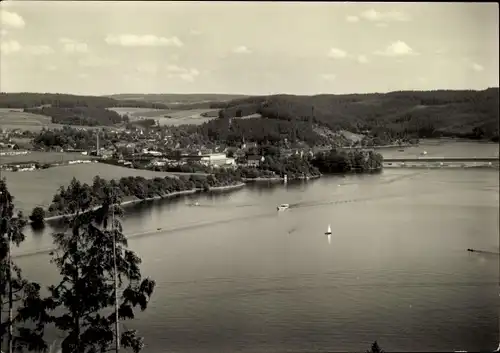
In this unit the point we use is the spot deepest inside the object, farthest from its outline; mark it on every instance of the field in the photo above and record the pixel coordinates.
(177, 98)
(37, 188)
(11, 119)
(192, 117)
(251, 116)
(44, 157)
(132, 112)
(17, 119)
(177, 117)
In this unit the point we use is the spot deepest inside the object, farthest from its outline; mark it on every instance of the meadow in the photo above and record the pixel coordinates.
(251, 116)
(37, 188)
(44, 157)
(175, 117)
(11, 119)
(184, 117)
(134, 112)
(17, 119)
(177, 98)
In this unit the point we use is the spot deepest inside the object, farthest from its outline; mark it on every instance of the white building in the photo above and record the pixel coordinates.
(217, 159)
(158, 163)
(153, 153)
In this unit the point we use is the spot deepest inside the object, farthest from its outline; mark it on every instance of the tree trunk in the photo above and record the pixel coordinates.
(115, 270)
(9, 257)
(1, 308)
(115, 273)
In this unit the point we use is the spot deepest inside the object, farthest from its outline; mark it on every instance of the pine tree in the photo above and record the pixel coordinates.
(375, 348)
(85, 257)
(21, 297)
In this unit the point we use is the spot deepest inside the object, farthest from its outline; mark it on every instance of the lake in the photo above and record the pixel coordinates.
(235, 275)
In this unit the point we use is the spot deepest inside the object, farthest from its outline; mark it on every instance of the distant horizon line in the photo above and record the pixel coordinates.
(248, 94)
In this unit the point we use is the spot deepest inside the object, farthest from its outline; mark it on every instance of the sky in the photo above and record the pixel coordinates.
(113, 47)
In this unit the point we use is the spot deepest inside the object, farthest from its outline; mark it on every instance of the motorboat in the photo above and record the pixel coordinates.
(283, 206)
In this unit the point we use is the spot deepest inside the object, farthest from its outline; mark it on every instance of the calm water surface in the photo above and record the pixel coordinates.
(234, 275)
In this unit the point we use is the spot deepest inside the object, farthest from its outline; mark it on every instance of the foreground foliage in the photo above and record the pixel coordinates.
(18, 296)
(85, 259)
(375, 348)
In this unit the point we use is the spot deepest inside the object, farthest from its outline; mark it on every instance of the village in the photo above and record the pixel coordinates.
(137, 148)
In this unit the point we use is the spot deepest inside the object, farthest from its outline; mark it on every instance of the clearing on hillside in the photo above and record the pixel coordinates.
(251, 116)
(188, 117)
(12, 119)
(17, 119)
(177, 98)
(131, 111)
(169, 116)
(44, 157)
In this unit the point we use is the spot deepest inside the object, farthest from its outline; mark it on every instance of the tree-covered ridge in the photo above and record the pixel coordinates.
(179, 101)
(34, 100)
(234, 131)
(155, 101)
(69, 137)
(86, 116)
(358, 161)
(137, 187)
(71, 109)
(470, 114)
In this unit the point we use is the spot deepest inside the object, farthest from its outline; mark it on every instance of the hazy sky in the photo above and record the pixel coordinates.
(246, 47)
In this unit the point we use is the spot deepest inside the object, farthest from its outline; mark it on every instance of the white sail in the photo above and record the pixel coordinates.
(329, 230)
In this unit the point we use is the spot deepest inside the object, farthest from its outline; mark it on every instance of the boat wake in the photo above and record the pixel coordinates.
(156, 231)
(484, 252)
(338, 202)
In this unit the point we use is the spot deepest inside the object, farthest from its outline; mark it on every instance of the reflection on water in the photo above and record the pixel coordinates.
(235, 275)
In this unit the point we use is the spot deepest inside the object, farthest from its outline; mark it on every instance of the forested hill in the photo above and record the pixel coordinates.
(174, 98)
(60, 102)
(93, 110)
(34, 100)
(469, 114)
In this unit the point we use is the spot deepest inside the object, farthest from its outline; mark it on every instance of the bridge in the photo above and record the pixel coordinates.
(441, 162)
(441, 159)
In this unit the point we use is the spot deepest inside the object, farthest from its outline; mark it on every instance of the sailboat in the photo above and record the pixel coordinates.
(329, 230)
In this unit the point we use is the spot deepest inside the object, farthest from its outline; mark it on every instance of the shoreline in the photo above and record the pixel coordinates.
(165, 196)
(223, 188)
(279, 179)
